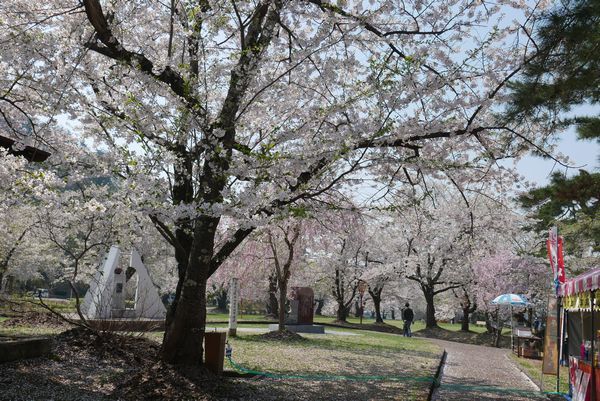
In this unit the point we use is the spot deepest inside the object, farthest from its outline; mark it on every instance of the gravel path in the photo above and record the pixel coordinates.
(469, 367)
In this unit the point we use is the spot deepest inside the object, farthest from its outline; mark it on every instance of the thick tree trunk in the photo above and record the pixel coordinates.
(498, 336)
(464, 325)
(319, 307)
(377, 305)
(282, 300)
(221, 299)
(376, 297)
(378, 316)
(182, 343)
(273, 302)
(357, 308)
(342, 312)
(184, 332)
(430, 320)
(488, 323)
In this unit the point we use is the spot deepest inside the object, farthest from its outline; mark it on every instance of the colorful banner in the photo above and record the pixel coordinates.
(550, 362)
(561, 261)
(554, 244)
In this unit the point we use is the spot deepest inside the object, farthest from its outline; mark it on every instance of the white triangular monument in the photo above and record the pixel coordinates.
(105, 298)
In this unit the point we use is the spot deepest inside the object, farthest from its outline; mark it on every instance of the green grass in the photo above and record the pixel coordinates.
(533, 369)
(420, 325)
(417, 326)
(3, 319)
(251, 350)
(223, 317)
(210, 325)
(410, 361)
(28, 331)
(29, 303)
(367, 353)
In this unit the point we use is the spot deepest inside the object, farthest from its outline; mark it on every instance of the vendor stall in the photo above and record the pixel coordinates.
(580, 335)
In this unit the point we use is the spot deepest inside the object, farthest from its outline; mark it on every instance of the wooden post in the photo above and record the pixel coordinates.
(214, 344)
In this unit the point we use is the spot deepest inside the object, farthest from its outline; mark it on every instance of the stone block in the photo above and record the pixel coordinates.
(15, 349)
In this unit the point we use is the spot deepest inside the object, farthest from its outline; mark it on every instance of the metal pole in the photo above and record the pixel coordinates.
(592, 342)
(512, 330)
(558, 339)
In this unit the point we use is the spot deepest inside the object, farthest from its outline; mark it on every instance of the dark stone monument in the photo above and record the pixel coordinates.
(305, 300)
(300, 316)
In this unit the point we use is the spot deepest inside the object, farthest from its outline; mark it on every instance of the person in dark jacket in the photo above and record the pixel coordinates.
(408, 316)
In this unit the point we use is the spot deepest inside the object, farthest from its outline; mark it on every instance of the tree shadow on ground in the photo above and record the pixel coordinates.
(18, 385)
(297, 390)
(335, 344)
(465, 337)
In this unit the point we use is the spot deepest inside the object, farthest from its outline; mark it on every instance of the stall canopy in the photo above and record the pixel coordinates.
(576, 293)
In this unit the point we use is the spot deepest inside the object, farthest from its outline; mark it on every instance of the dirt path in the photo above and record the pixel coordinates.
(474, 372)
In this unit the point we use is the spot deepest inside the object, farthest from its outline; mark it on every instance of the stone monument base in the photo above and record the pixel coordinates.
(300, 328)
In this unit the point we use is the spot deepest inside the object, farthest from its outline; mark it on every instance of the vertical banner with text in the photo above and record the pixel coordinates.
(554, 244)
(550, 363)
(233, 306)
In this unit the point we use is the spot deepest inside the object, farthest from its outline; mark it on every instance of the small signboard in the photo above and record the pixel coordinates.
(362, 287)
(550, 363)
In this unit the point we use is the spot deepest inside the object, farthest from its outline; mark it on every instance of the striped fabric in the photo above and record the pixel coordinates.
(585, 282)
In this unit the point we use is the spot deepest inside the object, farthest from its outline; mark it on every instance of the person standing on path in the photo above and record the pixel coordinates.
(408, 316)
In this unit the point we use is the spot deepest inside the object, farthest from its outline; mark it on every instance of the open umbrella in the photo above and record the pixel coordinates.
(510, 300)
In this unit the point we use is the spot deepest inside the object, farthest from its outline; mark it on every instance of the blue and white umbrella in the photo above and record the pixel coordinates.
(510, 299)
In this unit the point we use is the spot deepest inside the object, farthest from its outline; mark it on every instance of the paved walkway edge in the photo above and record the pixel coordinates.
(437, 378)
(530, 379)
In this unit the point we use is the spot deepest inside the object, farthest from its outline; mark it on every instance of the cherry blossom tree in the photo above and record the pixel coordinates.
(337, 251)
(222, 115)
(15, 226)
(381, 259)
(283, 243)
(433, 254)
(506, 272)
(444, 230)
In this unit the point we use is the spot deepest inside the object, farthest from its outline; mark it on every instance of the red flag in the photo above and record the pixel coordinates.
(561, 262)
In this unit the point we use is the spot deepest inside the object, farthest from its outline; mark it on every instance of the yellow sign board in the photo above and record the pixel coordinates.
(550, 363)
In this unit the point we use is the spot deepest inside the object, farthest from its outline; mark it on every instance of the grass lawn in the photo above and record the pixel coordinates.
(533, 369)
(364, 354)
(224, 317)
(407, 363)
(311, 354)
(420, 325)
(29, 331)
(18, 304)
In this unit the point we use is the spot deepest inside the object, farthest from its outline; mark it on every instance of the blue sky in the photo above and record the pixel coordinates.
(583, 154)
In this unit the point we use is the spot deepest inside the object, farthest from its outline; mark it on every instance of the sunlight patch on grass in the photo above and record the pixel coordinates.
(533, 369)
